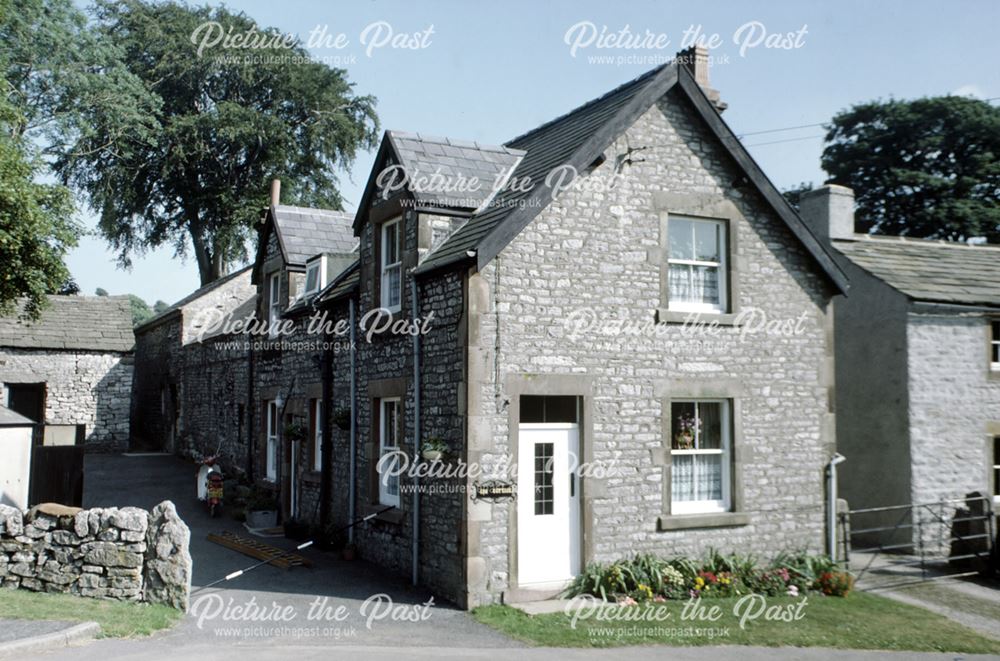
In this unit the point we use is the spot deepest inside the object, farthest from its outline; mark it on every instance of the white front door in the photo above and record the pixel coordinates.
(548, 504)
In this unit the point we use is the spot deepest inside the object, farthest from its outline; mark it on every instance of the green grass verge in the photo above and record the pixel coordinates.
(118, 619)
(859, 621)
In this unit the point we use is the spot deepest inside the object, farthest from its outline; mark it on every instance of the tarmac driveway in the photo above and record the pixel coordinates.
(270, 606)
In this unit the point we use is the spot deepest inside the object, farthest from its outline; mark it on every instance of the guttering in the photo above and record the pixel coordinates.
(353, 453)
(415, 308)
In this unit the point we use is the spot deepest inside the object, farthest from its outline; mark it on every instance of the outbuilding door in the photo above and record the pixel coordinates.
(548, 504)
(28, 399)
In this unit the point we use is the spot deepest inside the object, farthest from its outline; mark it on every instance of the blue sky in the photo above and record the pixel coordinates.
(490, 71)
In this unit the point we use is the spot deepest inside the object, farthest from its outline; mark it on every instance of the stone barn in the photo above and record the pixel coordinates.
(72, 366)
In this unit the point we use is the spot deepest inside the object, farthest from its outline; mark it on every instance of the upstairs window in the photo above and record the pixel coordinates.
(696, 265)
(996, 470)
(995, 345)
(315, 276)
(274, 303)
(392, 265)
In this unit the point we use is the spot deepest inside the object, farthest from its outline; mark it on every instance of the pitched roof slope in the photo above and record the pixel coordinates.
(577, 139)
(193, 296)
(933, 271)
(305, 232)
(422, 156)
(550, 145)
(81, 323)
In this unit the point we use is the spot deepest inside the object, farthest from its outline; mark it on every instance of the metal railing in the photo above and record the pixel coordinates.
(957, 532)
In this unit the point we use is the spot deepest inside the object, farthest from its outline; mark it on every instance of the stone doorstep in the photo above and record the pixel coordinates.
(541, 607)
(73, 633)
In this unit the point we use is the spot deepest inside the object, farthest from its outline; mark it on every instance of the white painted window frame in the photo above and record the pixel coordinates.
(708, 506)
(317, 454)
(385, 496)
(994, 333)
(722, 266)
(273, 303)
(319, 267)
(391, 270)
(271, 450)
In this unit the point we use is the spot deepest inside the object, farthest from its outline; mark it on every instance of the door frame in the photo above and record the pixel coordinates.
(577, 385)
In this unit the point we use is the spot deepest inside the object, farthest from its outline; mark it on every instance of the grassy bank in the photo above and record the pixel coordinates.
(859, 621)
(118, 619)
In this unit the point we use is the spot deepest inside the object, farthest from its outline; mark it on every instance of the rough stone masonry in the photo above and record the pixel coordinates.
(110, 553)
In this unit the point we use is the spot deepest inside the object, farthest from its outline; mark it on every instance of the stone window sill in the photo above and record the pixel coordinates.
(665, 316)
(710, 520)
(312, 476)
(393, 516)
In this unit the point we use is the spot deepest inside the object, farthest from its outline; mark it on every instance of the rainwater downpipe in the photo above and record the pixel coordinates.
(831, 524)
(353, 453)
(415, 308)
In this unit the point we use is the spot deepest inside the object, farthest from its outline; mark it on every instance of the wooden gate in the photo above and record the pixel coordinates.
(57, 471)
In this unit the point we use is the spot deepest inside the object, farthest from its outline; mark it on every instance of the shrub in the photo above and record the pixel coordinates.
(645, 577)
(836, 583)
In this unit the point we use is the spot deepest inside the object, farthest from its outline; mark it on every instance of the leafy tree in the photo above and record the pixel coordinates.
(223, 124)
(140, 309)
(795, 193)
(69, 288)
(160, 307)
(923, 168)
(36, 226)
(100, 291)
(57, 82)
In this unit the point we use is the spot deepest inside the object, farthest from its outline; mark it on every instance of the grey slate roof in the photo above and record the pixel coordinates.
(932, 271)
(304, 232)
(91, 323)
(423, 155)
(550, 145)
(13, 418)
(193, 296)
(343, 284)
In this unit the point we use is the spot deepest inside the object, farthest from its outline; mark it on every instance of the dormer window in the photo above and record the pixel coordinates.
(315, 275)
(392, 265)
(273, 303)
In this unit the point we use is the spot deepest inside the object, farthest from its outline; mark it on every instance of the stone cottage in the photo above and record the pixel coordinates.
(190, 389)
(614, 326)
(918, 364)
(73, 366)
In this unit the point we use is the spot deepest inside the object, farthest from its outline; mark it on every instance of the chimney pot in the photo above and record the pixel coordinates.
(275, 192)
(829, 212)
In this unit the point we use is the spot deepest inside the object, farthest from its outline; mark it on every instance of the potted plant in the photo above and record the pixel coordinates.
(296, 431)
(686, 429)
(433, 449)
(342, 418)
(262, 509)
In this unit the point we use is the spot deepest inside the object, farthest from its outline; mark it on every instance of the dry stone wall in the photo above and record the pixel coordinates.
(110, 553)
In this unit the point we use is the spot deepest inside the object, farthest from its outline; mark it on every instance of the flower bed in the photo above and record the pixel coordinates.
(649, 578)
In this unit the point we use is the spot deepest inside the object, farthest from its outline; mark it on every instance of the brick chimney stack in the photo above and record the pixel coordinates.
(275, 192)
(696, 60)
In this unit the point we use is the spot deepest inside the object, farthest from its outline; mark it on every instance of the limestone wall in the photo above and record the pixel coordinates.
(109, 553)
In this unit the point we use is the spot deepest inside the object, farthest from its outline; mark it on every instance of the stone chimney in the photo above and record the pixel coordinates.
(275, 192)
(829, 212)
(696, 59)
